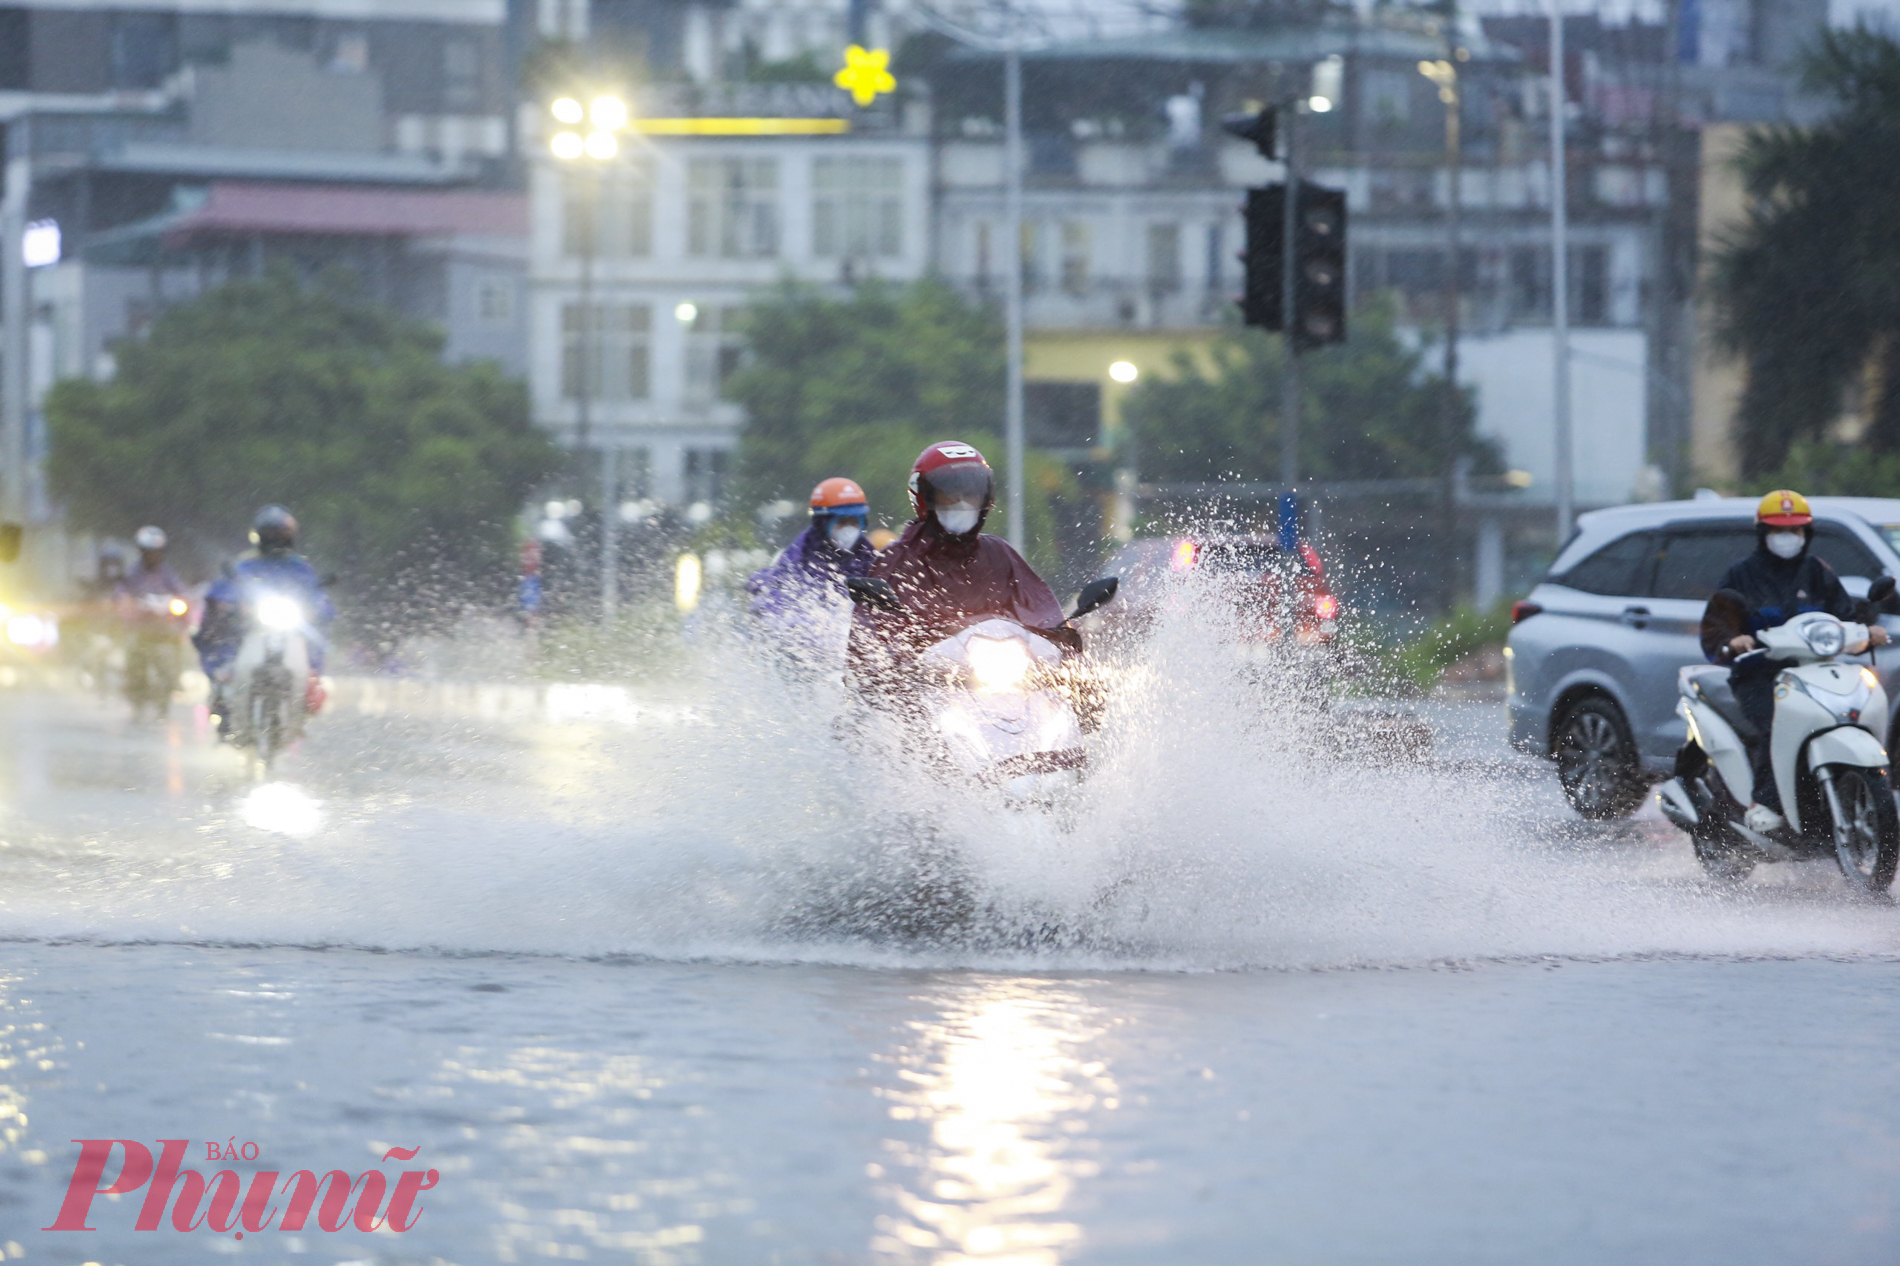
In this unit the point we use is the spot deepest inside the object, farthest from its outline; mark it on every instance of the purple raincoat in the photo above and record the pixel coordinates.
(800, 600)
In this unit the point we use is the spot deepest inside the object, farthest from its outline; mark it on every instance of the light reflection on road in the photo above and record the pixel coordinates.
(1002, 1081)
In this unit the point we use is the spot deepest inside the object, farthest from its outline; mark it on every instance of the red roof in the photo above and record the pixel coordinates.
(353, 211)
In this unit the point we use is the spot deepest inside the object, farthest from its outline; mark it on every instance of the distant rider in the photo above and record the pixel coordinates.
(1777, 582)
(947, 573)
(800, 599)
(273, 564)
(151, 599)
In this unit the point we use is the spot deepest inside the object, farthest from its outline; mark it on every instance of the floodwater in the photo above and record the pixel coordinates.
(650, 982)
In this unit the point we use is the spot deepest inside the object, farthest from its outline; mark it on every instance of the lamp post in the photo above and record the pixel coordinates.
(1560, 280)
(593, 149)
(1010, 45)
(1444, 74)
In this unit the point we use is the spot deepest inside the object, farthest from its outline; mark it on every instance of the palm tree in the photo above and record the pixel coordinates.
(1808, 289)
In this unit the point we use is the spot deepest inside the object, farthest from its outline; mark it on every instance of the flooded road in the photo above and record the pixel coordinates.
(614, 979)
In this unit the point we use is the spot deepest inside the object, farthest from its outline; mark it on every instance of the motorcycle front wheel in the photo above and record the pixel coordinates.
(1867, 831)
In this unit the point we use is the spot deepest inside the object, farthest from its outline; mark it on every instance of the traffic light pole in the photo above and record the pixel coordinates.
(1290, 380)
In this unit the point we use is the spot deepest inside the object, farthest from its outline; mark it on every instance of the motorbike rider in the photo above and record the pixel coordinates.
(1780, 580)
(946, 573)
(802, 592)
(151, 600)
(272, 563)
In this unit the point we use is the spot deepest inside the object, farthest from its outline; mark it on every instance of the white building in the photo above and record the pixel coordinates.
(689, 228)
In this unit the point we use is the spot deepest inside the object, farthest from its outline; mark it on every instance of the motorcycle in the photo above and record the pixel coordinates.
(152, 654)
(1826, 747)
(268, 692)
(998, 699)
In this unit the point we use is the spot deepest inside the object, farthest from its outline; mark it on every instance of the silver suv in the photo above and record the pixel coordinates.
(1594, 649)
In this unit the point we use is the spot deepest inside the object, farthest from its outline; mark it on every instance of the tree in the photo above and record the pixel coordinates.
(1808, 289)
(859, 385)
(404, 471)
(1368, 411)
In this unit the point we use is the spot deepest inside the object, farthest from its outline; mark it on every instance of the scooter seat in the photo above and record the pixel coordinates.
(1712, 687)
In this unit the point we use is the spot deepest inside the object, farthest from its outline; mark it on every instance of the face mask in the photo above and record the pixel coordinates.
(844, 536)
(1786, 544)
(958, 519)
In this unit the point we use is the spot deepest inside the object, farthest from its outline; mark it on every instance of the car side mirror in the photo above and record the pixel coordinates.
(874, 592)
(1095, 595)
(11, 535)
(1880, 591)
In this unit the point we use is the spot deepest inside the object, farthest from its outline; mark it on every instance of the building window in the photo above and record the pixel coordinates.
(1075, 257)
(1590, 285)
(1164, 258)
(706, 474)
(495, 302)
(715, 348)
(350, 54)
(857, 208)
(732, 208)
(616, 355)
(143, 49)
(461, 75)
(1388, 97)
(1031, 257)
(625, 207)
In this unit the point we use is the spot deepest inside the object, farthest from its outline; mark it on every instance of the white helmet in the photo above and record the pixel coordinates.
(149, 537)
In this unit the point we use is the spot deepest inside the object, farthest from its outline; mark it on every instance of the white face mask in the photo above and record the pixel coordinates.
(1786, 544)
(845, 535)
(957, 520)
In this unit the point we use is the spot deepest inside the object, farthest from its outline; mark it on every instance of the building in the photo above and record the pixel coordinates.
(168, 145)
(688, 228)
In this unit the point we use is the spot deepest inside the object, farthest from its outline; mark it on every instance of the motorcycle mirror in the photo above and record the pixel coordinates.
(10, 536)
(1095, 595)
(873, 591)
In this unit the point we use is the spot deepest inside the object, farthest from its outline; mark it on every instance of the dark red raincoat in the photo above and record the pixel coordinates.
(946, 584)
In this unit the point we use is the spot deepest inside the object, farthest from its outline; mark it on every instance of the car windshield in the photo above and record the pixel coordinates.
(1891, 531)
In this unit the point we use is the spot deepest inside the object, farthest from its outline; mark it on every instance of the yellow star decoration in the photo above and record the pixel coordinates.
(865, 74)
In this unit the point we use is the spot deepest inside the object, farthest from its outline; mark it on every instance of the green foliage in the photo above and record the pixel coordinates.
(1369, 411)
(1822, 468)
(859, 386)
(1421, 660)
(401, 468)
(1808, 289)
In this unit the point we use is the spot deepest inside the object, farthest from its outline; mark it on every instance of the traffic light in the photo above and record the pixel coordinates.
(1260, 297)
(1319, 249)
(1319, 246)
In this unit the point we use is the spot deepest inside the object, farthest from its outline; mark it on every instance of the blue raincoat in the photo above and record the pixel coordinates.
(222, 629)
(800, 600)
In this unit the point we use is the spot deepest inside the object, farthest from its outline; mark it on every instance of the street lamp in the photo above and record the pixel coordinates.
(603, 116)
(1124, 372)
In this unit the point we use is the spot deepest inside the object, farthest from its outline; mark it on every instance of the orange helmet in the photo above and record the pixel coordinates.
(835, 494)
(1784, 508)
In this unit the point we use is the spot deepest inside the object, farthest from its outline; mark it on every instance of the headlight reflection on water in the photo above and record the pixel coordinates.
(1007, 1096)
(282, 809)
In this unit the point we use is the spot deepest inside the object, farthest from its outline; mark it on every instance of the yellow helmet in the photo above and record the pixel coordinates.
(1784, 508)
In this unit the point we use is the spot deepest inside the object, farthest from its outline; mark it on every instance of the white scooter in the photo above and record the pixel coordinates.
(993, 698)
(271, 674)
(1826, 746)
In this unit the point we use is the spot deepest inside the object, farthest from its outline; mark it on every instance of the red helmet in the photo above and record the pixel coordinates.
(952, 470)
(834, 493)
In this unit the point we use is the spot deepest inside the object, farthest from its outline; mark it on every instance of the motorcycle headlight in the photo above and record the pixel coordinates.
(178, 606)
(999, 664)
(1825, 637)
(276, 611)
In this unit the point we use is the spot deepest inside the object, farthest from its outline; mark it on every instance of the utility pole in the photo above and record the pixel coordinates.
(1289, 298)
(15, 388)
(1560, 279)
(1013, 253)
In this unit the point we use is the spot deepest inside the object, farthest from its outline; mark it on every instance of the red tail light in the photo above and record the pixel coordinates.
(1326, 607)
(1522, 610)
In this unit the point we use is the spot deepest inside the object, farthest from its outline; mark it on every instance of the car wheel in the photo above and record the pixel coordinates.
(1596, 761)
